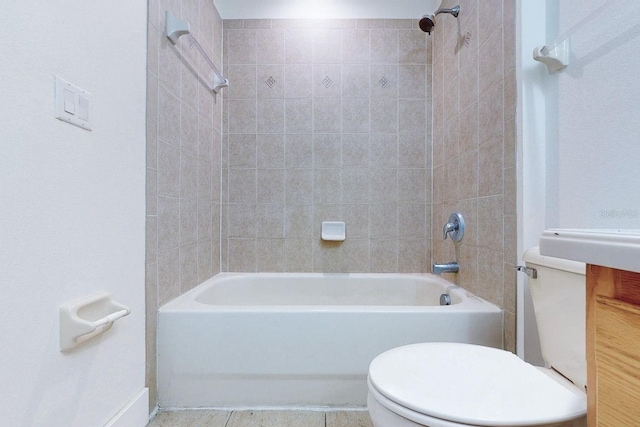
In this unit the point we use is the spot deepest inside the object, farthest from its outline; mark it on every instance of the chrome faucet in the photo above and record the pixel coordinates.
(449, 228)
(454, 228)
(449, 267)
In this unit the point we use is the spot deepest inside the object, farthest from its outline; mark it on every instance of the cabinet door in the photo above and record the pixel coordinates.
(617, 358)
(613, 347)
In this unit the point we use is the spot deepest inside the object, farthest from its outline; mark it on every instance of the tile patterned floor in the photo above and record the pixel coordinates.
(211, 418)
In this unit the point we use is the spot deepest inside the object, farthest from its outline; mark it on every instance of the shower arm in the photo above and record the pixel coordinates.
(455, 11)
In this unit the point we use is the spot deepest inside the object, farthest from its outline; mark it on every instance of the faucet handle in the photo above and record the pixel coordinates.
(454, 228)
(448, 228)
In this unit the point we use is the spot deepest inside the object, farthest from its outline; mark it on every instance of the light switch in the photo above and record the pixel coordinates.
(72, 104)
(69, 101)
(83, 108)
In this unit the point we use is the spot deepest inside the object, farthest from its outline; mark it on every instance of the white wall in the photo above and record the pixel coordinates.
(594, 182)
(531, 153)
(578, 149)
(71, 208)
(325, 9)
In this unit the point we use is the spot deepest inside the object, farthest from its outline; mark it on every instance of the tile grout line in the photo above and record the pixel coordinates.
(228, 419)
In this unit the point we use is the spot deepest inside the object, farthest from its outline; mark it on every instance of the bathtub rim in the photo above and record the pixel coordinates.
(187, 302)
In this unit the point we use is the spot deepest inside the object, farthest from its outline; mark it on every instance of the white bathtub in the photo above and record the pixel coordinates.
(303, 340)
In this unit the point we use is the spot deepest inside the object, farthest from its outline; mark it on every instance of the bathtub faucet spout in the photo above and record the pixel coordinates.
(449, 267)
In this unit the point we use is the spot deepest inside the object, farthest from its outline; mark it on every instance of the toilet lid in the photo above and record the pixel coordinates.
(472, 384)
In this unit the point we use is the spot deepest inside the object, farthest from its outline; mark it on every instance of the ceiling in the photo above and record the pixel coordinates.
(325, 9)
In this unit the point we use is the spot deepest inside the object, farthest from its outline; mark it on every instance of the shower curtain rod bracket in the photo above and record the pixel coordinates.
(175, 28)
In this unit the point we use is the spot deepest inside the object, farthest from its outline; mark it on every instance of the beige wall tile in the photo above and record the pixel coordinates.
(326, 115)
(298, 221)
(355, 115)
(355, 80)
(299, 186)
(355, 46)
(168, 223)
(474, 148)
(384, 255)
(298, 255)
(241, 220)
(205, 260)
(188, 221)
(241, 46)
(490, 163)
(296, 46)
(270, 46)
(326, 46)
(355, 185)
(188, 267)
(270, 116)
(412, 151)
(242, 151)
(270, 150)
(383, 220)
(270, 186)
(243, 85)
(270, 255)
(413, 256)
(242, 186)
(356, 218)
(168, 275)
(384, 46)
(298, 116)
(326, 150)
(327, 186)
(270, 81)
(242, 116)
(327, 146)
(242, 255)
(298, 80)
(271, 221)
(298, 151)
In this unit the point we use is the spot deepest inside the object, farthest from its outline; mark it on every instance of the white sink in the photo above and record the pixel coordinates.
(618, 249)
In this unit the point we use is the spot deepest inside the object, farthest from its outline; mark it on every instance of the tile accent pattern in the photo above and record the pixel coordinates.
(183, 162)
(212, 418)
(474, 94)
(343, 135)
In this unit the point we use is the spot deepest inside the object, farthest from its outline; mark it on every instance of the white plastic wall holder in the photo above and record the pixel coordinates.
(555, 58)
(334, 231)
(175, 27)
(87, 317)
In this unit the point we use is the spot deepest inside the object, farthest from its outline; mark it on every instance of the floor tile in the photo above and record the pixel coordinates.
(348, 419)
(190, 418)
(276, 418)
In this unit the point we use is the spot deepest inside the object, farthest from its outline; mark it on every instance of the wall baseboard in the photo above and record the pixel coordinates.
(134, 414)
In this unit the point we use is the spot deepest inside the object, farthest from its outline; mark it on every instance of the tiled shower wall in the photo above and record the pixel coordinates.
(474, 94)
(326, 120)
(183, 161)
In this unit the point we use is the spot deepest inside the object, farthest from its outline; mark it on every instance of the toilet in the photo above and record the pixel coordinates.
(445, 384)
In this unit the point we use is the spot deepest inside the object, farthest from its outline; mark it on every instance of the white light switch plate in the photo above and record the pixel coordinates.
(72, 104)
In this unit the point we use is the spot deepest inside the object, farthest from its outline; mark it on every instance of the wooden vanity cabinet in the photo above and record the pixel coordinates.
(613, 347)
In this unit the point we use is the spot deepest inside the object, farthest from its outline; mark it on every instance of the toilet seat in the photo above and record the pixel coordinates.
(470, 385)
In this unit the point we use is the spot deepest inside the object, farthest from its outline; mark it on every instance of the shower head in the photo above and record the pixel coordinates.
(427, 22)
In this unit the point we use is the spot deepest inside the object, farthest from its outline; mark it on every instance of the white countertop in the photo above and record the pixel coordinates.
(618, 249)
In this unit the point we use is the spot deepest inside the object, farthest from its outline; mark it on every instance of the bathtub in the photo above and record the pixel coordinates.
(303, 339)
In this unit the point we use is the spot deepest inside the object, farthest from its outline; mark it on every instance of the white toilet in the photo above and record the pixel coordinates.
(454, 385)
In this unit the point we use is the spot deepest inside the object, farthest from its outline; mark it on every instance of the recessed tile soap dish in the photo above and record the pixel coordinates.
(334, 231)
(87, 317)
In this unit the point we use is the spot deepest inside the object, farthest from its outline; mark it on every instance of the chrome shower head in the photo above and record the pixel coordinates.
(427, 22)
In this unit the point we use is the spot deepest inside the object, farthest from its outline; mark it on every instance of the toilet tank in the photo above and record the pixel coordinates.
(559, 302)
